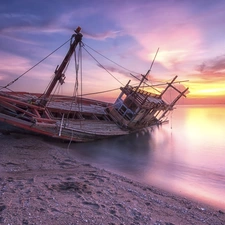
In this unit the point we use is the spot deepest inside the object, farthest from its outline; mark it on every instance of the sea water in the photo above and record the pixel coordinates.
(186, 156)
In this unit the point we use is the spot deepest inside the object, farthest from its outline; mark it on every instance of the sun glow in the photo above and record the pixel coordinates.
(204, 90)
(212, 91)
(169, 58)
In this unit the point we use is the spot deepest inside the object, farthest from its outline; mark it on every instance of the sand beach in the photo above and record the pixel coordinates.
(41, 184)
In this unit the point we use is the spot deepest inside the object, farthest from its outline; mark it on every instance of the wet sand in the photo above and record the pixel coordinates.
(41, 184)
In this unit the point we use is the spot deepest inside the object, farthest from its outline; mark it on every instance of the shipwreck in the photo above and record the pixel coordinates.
(80, 119)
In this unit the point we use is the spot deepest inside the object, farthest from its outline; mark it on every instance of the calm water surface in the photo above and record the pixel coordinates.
(186, 156)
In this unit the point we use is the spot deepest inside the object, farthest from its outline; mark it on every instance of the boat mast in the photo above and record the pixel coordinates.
(59, 76)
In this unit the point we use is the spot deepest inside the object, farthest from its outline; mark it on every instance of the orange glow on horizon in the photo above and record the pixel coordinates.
(212, 91)
(204, 90)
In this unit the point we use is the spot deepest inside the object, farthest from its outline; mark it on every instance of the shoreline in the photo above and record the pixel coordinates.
(41, 184)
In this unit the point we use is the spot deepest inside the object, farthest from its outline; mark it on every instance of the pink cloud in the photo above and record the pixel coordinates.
(167, 26)
(12, 63)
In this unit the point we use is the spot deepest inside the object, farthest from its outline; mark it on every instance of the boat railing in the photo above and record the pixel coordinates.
(145, 93)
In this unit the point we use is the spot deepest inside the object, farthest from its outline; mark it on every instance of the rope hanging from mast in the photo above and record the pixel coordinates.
(102, 66)
(78, 67)
(111, 60)
(137, 78)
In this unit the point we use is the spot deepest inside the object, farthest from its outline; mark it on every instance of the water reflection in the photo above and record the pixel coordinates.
(202, 136)
(185, 156)
(197, 168)
(125, 154)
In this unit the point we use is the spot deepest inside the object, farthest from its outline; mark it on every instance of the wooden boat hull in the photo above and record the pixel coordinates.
(26, 117)
(80, 132)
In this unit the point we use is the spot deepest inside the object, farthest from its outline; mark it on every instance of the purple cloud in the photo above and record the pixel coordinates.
(213, 69)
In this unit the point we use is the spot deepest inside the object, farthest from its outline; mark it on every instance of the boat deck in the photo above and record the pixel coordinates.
(73, 107)
(103, 128)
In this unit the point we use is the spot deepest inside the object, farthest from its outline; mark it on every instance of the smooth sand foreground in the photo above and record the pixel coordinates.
(41, 184)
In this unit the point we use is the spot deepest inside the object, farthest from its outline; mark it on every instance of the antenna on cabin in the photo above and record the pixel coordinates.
(152, 62)
(144, 77)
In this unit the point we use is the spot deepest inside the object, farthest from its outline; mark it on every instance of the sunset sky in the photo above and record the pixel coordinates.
(190, 36)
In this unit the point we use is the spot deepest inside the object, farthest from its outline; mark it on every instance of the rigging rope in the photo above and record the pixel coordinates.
(100, 92)
(75, 91)
(115, 63)
(75, 94)
(148, 85)
(33, 66)
(112, 60)
(102, 66)
(81, 72)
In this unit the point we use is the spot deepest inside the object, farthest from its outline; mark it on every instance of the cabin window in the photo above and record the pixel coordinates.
(118, 104)
(125, 112)
(128, 115)
(123, 109)
(130, 104)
